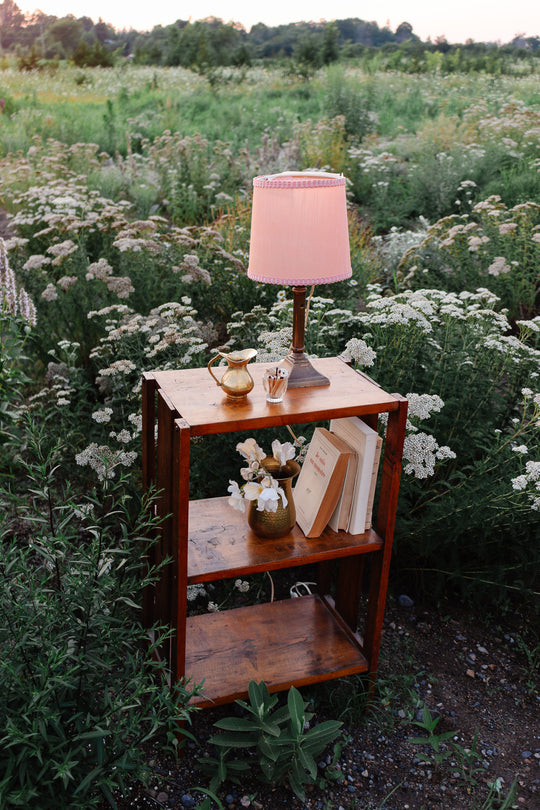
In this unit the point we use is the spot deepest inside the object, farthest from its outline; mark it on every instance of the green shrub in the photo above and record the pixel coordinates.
(494, 247)
(80, 691)
(284, 748)
(454, 520)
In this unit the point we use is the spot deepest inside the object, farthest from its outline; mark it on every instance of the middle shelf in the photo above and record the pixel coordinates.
(222, 545)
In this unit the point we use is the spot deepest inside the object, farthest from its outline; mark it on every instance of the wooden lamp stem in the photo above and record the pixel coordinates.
(301, 374)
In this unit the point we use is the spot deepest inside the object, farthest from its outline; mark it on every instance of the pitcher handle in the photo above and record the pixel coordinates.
(217, 357)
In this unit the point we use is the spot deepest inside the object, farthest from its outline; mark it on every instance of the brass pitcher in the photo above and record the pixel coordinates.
(236, 381)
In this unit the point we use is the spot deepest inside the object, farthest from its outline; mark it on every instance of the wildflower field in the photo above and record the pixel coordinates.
(125, 244)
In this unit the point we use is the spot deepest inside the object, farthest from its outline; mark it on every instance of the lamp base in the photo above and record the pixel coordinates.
(301, 372)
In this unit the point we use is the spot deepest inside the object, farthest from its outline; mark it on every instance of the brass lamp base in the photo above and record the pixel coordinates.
(301, 372)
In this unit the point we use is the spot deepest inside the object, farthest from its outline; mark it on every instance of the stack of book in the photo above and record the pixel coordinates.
(336, 486)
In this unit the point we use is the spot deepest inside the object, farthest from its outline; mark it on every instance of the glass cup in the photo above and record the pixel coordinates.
(275, 383)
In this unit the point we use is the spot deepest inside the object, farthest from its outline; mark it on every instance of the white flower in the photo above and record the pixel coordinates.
(241, 585)
(193, 591)
(520, 482)
(498, 266)
(422, 405)
(250, 450)
(104, 415)
(249, 473)
(357, 349)
(236, 500)
(49, 293)
(267, 494)
(283, 452)
(521, 448)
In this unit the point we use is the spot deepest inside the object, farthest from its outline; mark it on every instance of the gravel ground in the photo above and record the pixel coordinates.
(477, 676)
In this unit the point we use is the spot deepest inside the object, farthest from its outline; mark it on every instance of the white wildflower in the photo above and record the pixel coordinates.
(36, 262)
(103, 415)
(498, 266)
(241, 585)
(49, 293)
(193, 591)
(359, 352)
(423, 405)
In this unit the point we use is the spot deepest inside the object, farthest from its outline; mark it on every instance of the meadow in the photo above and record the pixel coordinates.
(125, 249)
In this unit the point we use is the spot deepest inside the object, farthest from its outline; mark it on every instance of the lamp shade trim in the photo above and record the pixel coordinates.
(299, 282)
(298, 181)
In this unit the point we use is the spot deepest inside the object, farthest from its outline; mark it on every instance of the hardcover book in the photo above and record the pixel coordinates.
(320, 481)
(363, 441)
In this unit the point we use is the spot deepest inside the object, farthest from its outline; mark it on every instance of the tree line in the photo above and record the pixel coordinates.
(36, 39)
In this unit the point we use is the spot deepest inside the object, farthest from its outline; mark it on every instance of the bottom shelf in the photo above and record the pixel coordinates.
(294, 641)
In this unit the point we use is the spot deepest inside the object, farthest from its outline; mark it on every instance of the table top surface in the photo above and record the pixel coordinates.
(205, 408)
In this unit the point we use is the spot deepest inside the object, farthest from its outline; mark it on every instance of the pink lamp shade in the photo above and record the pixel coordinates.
(299, 229)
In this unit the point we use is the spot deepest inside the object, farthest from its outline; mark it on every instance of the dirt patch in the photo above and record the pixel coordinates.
(475, 676)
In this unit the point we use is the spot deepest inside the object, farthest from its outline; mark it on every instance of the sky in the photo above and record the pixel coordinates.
(482, 21)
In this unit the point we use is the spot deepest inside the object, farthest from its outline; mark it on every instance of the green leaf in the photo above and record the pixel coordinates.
(105, 789)
(295, 703)
(209, 794)
(269, 750)
(268, 768)
(271, 728)
(257, 692)
(297, 787)
(308, 762)
(236, 724)
(233, 740)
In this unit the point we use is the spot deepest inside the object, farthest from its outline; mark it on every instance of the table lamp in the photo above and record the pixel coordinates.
(299, 237)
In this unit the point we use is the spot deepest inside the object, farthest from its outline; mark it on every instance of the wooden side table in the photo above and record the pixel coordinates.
(293, 641)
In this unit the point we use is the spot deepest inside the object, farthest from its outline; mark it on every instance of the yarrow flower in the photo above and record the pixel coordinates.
(104, 415)
(421, 452)
(103, 460)
(241, 585)
(529, 482)
(359, 352)
(498, 266)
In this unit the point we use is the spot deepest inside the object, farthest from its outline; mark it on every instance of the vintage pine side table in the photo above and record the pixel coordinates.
(293, 641)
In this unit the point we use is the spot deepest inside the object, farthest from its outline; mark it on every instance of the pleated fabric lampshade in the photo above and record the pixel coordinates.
(300, 237)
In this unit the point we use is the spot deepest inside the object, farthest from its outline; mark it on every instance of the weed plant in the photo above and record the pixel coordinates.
(285, 749)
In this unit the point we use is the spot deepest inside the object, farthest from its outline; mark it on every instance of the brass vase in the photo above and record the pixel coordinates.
(272, 525)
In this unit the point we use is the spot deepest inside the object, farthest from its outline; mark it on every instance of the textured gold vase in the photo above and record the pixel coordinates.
(271, 525)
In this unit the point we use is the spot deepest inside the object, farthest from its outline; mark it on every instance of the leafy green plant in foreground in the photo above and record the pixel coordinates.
(284, 749)
(80, 692)
(438, 752)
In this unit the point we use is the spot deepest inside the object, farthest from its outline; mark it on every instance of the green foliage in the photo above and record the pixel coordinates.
(80, 689)
(435, 742)
(457, 345)
(497, 799)
(283, 749)
(440, 746)
(493, 247)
